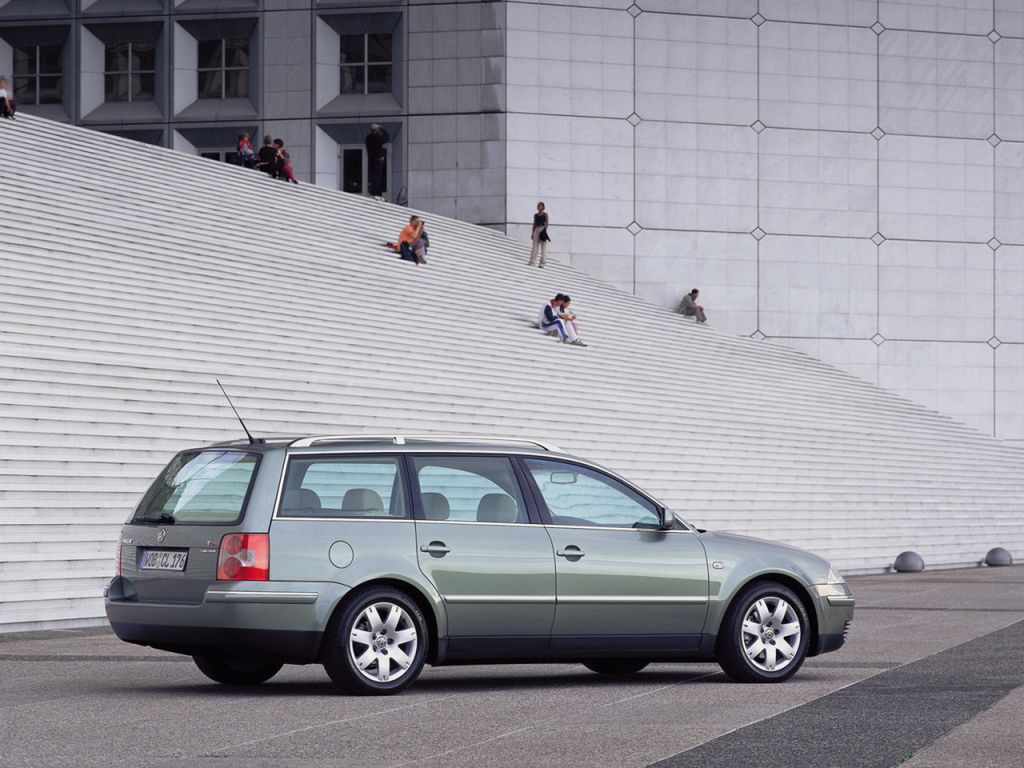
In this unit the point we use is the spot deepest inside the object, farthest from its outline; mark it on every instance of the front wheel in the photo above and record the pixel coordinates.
(237, 671)
(615, 666)
(764, 634)
(377, 644)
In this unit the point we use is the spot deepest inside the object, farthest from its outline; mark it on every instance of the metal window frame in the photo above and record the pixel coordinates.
(365, 64)
(131, 72)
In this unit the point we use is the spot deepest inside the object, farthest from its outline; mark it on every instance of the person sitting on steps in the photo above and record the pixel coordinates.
(689, 307)
(551, 321)
(246, 151)
(410, 242)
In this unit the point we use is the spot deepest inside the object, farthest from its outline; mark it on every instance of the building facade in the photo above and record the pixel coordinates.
(843, 176)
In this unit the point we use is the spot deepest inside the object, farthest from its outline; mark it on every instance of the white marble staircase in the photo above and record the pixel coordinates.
(132, 276)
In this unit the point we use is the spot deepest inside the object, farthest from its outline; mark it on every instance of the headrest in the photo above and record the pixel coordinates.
(436, 506)
(362, 501)
(497, 508)
(302, 501)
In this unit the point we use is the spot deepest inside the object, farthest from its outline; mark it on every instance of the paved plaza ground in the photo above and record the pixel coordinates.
(931, 677)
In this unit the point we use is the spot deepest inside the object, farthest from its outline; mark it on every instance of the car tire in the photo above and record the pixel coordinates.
(376, 644)
(615, 666)
(754, 641)
(237, 671)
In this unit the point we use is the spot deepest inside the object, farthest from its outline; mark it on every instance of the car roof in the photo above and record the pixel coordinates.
(396, 443)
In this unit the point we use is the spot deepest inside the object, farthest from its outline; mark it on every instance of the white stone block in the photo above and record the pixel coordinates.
(722, 266)
(954, 16)
(811, 286)
(935, 189)
(935, 84)
(814, 76)
(1009, 385)
(1009, 18)
(952, 378)
(1009, 99)
(1009, 296)
(935, 291)
(818, 183)
(701, 177)
(695, 68)
(858, 357)
(860, 13)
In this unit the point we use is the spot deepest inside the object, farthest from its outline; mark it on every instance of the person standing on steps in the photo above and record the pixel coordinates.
(689, 307)
(284, 162)
(376, 159)
(7, 105)
(539, 237)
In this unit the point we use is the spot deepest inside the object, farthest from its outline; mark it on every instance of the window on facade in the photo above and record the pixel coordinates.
(223, 68)
(129, 72)
(366, 63)
(37, 74)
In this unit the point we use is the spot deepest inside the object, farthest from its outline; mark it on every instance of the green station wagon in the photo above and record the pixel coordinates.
(376, 555)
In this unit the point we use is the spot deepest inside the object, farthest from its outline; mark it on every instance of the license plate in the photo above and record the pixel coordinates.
(163, 560)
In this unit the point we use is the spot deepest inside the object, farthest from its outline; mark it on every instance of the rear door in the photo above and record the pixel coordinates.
(169, 547)
(490, 562)
(623, 584)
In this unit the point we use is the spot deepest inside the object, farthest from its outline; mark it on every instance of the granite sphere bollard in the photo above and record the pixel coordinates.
(908, 562)
(997, 557)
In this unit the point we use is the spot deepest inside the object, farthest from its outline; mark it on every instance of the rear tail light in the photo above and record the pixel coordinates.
(117, 563)
(244, 557)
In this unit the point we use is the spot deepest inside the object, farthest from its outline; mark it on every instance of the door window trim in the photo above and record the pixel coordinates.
(546, 519)
(401, 473)
(532, 512)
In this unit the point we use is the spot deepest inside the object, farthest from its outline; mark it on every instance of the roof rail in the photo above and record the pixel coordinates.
(307, 442)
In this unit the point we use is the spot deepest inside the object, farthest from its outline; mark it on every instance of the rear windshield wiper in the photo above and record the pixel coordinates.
(162, 518)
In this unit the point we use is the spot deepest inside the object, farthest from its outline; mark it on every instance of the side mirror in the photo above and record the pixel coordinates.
(667, 520)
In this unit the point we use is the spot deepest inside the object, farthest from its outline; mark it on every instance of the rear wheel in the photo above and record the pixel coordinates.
(237, 671)
(376, 645)
(615, 666)
(764, 634)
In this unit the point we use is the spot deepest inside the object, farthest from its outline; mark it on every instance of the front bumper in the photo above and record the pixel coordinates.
(835, 614)
(279, 621)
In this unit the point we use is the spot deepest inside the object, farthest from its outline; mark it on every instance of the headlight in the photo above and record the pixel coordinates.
(834, 576)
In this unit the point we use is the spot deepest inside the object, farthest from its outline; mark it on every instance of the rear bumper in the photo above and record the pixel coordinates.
(279, 621)
(287, 646)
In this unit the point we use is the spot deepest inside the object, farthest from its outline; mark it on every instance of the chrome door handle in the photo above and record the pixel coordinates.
(571, 551)
(437, 548)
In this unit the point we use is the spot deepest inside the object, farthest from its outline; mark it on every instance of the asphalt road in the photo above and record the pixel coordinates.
(931, 676)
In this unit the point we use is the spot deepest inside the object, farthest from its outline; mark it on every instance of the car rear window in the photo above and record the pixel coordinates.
(200, 487)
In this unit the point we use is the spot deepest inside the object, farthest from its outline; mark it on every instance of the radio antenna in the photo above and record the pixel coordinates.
(248, 434)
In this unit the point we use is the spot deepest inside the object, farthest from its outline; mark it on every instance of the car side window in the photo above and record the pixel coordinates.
(481, 489)
(343, 486)
(577, 495)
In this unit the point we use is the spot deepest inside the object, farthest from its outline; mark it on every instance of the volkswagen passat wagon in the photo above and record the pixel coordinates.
(374, 556)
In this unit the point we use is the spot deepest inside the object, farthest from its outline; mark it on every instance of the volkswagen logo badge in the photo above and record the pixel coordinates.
(161, 535)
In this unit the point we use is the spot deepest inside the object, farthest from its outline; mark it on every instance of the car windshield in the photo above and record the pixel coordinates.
(200, 487)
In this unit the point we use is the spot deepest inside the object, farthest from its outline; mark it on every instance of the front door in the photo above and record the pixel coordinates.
(622, 583)
(492, 566)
